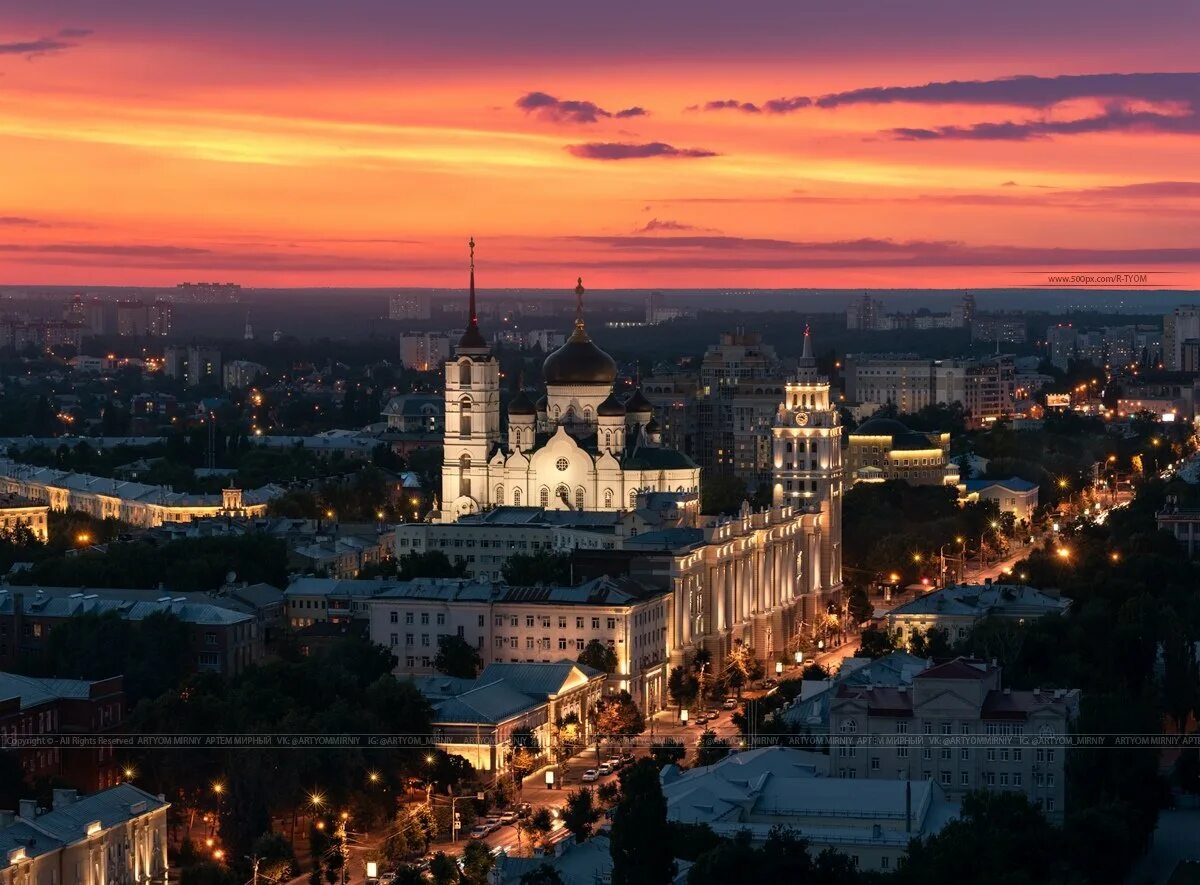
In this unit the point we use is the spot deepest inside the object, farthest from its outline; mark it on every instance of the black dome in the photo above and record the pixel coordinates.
(521, 405)
(638, 403)
(579, 361)
(652, 426)
(472, 338)
(542, 405)
(880, 427)
(611, 408)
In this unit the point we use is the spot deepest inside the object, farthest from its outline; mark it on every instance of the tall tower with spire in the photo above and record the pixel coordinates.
(472, 417)
(807, 465)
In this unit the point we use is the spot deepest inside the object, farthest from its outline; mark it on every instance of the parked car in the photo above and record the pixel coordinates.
(590, 775)
(493, 822)
(626, 758)
(387, 878)
(730, 704)
(604, 769)
(508, 817)
(613, 762)
(479, 831)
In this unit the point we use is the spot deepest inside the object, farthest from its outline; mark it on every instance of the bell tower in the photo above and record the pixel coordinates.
(807, 459)
(472, 418)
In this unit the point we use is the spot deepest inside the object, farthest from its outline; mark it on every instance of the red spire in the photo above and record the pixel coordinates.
(474, 319)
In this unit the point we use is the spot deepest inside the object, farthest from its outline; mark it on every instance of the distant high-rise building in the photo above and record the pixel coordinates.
(963, 313)
(409, 306)
(74, 312)
(657, 310)
(96, 319)
(1182, 324)
(193, 364)
(209, 293)
(160, 318)
(132, 318)
(999, 328)
(1061, 342)
(248, 332)
(864, 314)
(425, 351)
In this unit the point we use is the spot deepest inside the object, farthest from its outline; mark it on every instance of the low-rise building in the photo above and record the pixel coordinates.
(335, 600)
(958, 608)
(956, 726)
(118, 835)
(1013, 495)
(135, 503)
(531, 625)
(1183, 523)
(871, 821)
(476, 718)
(30, 706)
(809, 713)
(883, 448)
(17, 512)
(224, 637)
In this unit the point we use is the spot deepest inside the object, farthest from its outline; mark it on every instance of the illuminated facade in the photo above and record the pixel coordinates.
(578, 448)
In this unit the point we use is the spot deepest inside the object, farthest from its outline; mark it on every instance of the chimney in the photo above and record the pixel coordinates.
(63, 798)
(7, 818)
(27, 809)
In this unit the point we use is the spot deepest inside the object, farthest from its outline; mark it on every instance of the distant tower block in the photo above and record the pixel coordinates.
(249, 333)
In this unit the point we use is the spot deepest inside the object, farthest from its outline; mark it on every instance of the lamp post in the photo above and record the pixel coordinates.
(779, 668)
(799, 657)
(683, 717)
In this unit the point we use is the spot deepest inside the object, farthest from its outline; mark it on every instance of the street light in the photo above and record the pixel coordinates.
(683, 716)
(799, 658)
(779, 668)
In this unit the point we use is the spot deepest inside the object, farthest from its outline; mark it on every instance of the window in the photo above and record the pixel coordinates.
(516, 497)
(595, 623)
(545, 497)
(579, 645)
(927, 753)
(424, 639)
(499, 496)
(424, 617)
(395, 639)
(464, 373)
(579, 498)
(612, 623)
(441, 617)
(408, 617)
(902, 752)
(562, 464)
(1016, 779)
(481, 620)
(964, 754)
(608, 498)
(529, 620)
(1049, 804)
(464, 420)
(991, 754)
(499, 620)
(408, 639)
(395, 617)
(901, 728)
(849, 726)
(562, 644)
(1004, 778)
(964, 778)
(562, 622)
(579, 623)
(945, 778)
(528, 642)
(874, 763)
(632, 498)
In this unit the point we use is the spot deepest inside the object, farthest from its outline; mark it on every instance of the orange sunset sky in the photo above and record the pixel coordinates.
(680, 144)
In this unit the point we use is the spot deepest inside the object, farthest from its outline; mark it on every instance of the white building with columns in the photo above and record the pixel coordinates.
(578, 448)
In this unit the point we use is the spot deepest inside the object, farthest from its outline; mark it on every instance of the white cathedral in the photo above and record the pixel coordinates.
(579, 448)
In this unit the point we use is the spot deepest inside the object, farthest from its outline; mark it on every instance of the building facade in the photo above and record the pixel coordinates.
(883, 449)
(579, 447)
(959, 728)
(17, 512)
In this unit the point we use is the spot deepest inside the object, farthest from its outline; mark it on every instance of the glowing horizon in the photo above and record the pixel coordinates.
(674, 147)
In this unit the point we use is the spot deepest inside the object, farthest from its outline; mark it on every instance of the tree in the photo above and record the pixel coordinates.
(616, 717)
(599, 656)
(860, 606)
(443, 870)
(876, 642)
(933, 643)
(682, 686)
(711, 748)
(543, 874)
(667, 752)
(540, 824)
(457, 657)
(477, 863)
(430, 564)
(640, 843)
(542, 567)
(814, 671)
(581, 813)
(723, 493)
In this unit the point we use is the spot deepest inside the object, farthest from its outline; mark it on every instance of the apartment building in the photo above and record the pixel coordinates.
(531, 625)
(956, 725)
(17, 512)
(118, 835)
(882, 449)
(958, 608)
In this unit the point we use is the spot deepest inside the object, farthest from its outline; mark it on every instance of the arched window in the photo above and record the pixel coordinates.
(464, 373)
(499, 495)
(556, 413)
(516, 497)
(849, 727)
(562, 493)
(608, 498)
(545, 497)
(608, 439)
(632, 499)
(587, 413)
(464, 420)
(464, 475)
(579, 498)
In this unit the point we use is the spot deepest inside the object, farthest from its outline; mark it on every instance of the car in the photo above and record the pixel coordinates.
(613, 762)
(508, 817)
(730, 704)
(479, 831)
(604, 769)
(387, 878)
(493, 822)
(590, 775)
(626, 758)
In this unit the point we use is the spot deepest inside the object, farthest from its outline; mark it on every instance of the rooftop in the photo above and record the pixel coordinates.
(982, 600)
